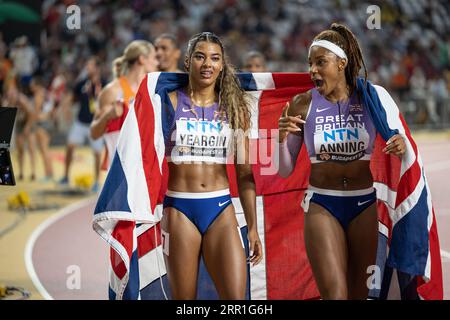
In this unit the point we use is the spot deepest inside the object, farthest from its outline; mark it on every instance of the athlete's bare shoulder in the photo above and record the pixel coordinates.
(109, 94)
(112, 88)
(299, 104)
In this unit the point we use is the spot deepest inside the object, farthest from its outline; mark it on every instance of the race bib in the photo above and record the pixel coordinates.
(344, 144)
(201, 140)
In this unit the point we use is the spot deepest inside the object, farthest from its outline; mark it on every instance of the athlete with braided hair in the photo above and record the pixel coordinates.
(341, 225)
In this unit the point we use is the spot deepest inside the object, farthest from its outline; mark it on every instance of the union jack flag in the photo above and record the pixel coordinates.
(129, 207)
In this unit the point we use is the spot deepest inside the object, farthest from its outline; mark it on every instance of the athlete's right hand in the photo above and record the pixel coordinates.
(115, 109)
(288, 124)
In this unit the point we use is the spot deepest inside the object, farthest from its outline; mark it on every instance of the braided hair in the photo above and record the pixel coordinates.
(341, 36)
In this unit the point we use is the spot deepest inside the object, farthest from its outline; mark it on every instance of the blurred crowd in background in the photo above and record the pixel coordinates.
(409, 54)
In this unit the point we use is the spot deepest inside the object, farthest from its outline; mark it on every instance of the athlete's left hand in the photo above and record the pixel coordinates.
(395, 145)
(255, 247)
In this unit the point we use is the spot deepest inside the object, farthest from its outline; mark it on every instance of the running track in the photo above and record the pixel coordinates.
(65, 244)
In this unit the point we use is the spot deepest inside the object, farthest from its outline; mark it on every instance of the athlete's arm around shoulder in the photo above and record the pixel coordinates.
(107, 109)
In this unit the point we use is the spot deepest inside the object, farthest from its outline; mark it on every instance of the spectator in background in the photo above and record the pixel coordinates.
(24, 59)
(42, 110)
(419, 95)
(24, 136)
(399, 80)
(254, 61)
(420, 32)
(138, 59)
(437, 102)
(56, 92)
(6, 67)
(167, 52)
(86, 93)
(3, 46)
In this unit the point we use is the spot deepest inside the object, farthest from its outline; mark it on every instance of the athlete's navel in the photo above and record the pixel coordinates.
(345, 182)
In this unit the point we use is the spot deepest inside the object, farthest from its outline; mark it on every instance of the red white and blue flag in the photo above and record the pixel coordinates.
(408, 231)
(129, 208)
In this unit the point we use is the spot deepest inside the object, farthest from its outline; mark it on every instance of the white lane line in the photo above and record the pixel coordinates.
(37, 233)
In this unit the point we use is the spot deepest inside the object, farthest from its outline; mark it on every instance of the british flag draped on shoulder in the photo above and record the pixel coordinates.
(129, 208)
(406, 215)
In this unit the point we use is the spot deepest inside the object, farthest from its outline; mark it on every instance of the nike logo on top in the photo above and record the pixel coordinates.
(364, 202)
(321, 110)
(186, 110)
(221, 204)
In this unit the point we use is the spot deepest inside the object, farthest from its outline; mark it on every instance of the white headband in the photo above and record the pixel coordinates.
(330, 46)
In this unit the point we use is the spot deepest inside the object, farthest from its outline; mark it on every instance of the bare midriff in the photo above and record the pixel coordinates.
(354, 175)
(202, 177)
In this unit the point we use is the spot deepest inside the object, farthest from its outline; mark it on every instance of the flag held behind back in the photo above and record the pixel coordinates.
(128, 209)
